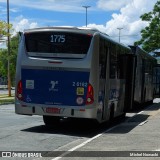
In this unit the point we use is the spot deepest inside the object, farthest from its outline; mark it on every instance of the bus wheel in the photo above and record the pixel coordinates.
(50, 120)
(144, 96)
(123, 116)
(154, 93)
(111, 117)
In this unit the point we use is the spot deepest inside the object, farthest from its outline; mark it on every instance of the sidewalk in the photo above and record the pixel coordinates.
(139, 133)
(129, 140)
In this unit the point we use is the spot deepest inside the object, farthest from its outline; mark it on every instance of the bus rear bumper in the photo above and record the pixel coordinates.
(66, 111)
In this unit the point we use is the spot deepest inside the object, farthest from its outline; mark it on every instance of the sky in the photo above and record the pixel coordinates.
(105, 15)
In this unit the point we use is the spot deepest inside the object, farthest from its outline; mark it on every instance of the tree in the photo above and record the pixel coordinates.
(4, 28)
(13, 56)
(150, 40)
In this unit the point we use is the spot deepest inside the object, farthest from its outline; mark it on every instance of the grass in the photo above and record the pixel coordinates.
(5, 99)
(6, 96)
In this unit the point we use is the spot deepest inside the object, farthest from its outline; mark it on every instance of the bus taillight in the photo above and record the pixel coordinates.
(19, 90)
(90, 95)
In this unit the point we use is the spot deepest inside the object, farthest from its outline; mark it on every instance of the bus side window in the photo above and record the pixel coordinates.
(102, 59)
(123, 61)
(113, 63)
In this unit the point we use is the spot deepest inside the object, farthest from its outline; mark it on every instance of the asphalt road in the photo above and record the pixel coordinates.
(28, 133)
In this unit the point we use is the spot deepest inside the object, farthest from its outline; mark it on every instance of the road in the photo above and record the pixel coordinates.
(28, 133)
(5, 91)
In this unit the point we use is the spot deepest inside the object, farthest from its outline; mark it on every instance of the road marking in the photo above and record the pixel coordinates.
(143, 110)
(154, 113)
(83, 144)
(91, 139)
(151, 113)
(141, 124)
(139, 113)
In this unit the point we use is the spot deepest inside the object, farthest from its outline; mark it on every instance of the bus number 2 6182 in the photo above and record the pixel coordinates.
(79, 84)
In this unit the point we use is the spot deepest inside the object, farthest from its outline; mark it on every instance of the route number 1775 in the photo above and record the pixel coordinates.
(58, 38)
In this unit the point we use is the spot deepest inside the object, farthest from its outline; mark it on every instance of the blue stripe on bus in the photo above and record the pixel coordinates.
(53, 87)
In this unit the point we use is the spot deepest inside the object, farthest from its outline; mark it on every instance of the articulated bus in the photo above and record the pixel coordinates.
(156, 80)
(140, 87)
(71, 72)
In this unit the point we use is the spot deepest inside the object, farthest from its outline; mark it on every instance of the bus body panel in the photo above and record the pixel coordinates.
(56, 110)
(54, 87)
(156, 81)
(60, 76)
(143, 78)
(58, 86)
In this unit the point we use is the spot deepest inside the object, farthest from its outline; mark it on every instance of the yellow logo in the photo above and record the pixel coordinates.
(80, 91)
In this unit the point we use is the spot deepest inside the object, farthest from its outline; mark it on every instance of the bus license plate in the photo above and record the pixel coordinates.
(53, 110)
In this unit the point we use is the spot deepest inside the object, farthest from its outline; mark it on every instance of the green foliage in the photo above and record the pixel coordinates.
(150, 40)
(3, 63)
(10, 100)
(4, 28)
(13, 56)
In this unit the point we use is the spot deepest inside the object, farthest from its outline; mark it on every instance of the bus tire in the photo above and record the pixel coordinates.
(154, 93)
(123, 116)
(144, 96)
(111, 117)
(50, 120)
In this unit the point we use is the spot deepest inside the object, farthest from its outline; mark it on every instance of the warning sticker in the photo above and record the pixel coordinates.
(80, 91)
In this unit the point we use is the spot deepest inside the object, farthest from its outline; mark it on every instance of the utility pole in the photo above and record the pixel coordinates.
(86, 7)
(119, 33)
(8, 36)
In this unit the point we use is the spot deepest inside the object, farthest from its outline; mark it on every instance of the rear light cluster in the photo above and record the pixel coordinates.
(19, 90)
(90, 95)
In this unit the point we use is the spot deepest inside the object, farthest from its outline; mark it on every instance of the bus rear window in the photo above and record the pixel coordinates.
(57, 44)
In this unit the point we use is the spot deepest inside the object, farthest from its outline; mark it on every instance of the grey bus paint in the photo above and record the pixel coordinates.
(105, 62)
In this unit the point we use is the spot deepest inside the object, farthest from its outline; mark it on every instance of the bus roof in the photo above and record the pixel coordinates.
(85, 30)
(64, 28)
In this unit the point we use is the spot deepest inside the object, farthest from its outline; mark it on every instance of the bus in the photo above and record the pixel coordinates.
(140, 87)
(156, 80)
(71, 72)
